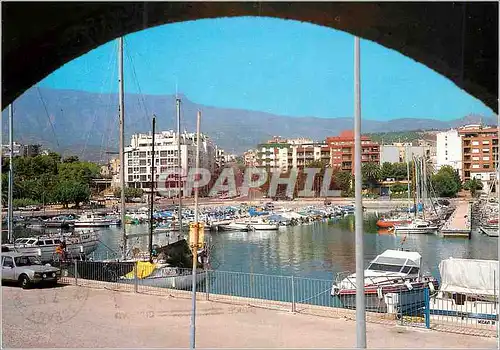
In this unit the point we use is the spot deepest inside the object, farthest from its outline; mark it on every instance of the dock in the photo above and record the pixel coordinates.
(459, 223)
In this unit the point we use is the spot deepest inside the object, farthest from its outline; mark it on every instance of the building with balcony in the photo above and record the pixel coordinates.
(138, 158)
(250, 158)
(342, 150)
(479, 153)
(281, 155)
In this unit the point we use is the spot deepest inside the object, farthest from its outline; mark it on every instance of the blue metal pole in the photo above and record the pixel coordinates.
(427, 308)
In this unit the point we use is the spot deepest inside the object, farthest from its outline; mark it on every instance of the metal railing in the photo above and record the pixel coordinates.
(416, 308)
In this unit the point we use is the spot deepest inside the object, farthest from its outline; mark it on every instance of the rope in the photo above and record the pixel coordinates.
(314, 296)
(84, 149)
(47, 115)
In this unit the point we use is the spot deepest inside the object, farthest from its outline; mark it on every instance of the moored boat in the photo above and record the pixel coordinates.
(46, 247)
(233, 226)
(416, 226)
(392, 279)
(259, 224)
(467, 293)
(391, 222)
(92, 220)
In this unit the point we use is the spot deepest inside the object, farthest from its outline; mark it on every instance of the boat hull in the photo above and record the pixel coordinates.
(388, 299)
(427, 230)
(182, 281)
(104, 223)
(390, 223)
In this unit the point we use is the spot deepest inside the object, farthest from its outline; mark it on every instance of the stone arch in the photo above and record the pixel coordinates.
(457, 40)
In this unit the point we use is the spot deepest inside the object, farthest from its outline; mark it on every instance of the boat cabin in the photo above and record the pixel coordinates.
(397, 261)
(36, 242)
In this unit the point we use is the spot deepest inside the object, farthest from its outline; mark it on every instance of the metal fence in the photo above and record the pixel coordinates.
(416, 308)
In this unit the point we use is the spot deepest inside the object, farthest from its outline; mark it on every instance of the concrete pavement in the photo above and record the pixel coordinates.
(73, 317)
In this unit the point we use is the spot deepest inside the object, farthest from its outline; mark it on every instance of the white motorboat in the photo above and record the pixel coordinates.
(90, 219)
(45, 246)
(259, 224)
(393, 283)
(416, 227)
(233, 226)
(467, 294)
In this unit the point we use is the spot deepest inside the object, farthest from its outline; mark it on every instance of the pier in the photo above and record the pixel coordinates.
(118, 319)
(459, 223)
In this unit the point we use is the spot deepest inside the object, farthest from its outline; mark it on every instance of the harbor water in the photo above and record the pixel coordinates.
(260, 264)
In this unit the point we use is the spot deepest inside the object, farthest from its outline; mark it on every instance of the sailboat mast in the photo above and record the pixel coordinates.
(408, 177)
(179, 159)
(10, 213)
(413, 180)
(122, 144)
(151, 198)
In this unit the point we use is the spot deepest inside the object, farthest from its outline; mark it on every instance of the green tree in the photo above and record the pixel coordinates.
(371, 174)
(130, 193)
(398, 187)
(70, 191)
(387, 171)
(343, 180)
(82, 172)
(473, 185)
(71, 159)
(400, 171)
(446, 182)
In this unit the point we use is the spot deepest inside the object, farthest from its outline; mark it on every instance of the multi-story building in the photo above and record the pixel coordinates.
(21, 150)
(282, 154)
(342, 150)
(250, 158)
(400, 152)
(222, 158)
(449, 150)
(479, 153)
(138, 158)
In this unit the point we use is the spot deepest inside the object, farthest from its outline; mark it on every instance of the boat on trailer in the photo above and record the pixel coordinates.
(468, 293)
(392, 280)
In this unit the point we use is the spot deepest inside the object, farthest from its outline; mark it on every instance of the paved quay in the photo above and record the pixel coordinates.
(80, 317)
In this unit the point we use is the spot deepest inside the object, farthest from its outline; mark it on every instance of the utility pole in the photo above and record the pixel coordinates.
(122, 145)
(196, 236)
(360, 273)
(10, 194)
(179, 159)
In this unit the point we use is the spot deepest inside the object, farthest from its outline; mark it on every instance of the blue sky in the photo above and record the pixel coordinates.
(271, 65)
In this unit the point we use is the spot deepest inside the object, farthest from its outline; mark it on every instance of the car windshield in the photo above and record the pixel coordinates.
(27, 261)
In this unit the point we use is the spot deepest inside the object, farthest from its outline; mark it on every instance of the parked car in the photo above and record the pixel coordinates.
(27, 270)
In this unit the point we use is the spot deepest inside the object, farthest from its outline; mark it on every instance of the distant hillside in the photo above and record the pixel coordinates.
(86, 124)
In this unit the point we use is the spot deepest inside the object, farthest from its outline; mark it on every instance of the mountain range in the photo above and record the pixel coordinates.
(86, 123)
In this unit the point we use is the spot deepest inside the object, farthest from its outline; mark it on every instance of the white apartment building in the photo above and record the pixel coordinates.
(449, 149)
(401, 152)
(282, 155)
(138, 157)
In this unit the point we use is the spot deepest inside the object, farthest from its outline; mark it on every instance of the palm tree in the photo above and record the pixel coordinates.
(473, 185)
(371, 174)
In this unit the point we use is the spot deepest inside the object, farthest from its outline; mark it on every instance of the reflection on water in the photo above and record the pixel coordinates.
(319, 250)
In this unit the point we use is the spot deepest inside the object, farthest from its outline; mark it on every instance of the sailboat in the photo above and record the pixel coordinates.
(167, 266)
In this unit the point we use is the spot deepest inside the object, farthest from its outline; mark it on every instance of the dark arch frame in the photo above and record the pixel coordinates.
(457, 40)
